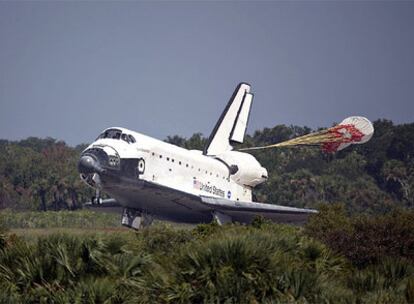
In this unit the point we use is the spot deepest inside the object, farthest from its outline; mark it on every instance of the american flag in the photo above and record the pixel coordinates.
(197, 184)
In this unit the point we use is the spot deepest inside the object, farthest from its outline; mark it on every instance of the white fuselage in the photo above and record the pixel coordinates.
(171, 166)
(150, 178)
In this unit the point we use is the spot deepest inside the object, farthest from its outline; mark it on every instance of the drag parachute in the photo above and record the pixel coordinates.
(352, 130)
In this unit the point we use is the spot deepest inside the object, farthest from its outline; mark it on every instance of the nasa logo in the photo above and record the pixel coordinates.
(229, 194)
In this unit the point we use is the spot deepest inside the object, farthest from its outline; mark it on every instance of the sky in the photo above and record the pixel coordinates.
(71, 69)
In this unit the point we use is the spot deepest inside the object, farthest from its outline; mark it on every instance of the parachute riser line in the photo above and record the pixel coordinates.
(353, 130)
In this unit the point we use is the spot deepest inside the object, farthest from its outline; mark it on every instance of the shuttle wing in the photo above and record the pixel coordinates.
(245, 212)
(232, 125)
(190, 205)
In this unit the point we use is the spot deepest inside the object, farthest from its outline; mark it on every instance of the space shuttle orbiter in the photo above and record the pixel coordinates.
(149, 178)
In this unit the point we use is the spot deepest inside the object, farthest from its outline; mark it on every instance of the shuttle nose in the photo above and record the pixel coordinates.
(88, 164)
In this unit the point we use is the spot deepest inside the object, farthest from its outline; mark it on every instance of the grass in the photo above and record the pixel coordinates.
(164, 263)
(58, 219)
(34, 233)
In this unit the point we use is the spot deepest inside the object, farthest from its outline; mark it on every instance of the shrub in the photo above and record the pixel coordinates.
(265, 263)
(163, 238)
(365, 239)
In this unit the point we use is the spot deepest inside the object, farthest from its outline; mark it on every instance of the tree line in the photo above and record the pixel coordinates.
(40, 174)
(372, 178)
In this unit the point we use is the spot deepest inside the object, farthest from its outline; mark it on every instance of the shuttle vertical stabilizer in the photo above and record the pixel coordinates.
(232, 125)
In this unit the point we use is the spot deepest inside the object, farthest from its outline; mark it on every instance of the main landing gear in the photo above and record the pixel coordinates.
(134, 219)
(221, 218)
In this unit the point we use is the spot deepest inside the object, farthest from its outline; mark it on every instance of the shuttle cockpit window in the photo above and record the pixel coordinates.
(117, 134)
(132, 139)
(125, 137)
(111, 133)
(128, 138)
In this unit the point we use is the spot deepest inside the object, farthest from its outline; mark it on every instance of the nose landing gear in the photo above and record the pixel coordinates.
(97, 200)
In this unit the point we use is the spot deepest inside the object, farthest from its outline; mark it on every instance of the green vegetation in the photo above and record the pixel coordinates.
(40, 174)
(11, 219)
(358, 249)
(260, 263)
(364, 239)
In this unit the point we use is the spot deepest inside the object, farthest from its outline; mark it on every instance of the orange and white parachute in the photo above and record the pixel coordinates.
(352, 130)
